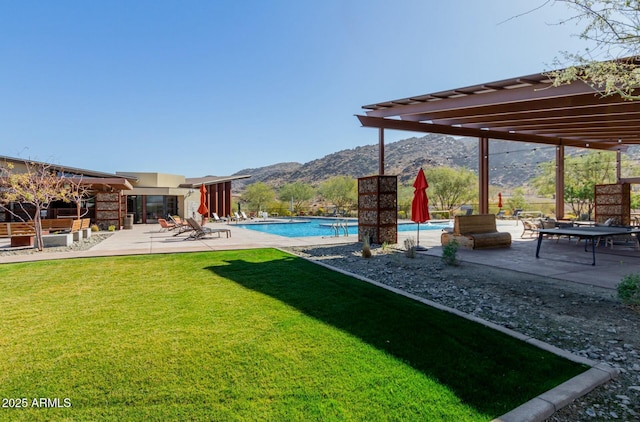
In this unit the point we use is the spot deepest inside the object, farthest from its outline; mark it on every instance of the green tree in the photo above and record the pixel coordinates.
(405, 198)
(341, 191)
(635, 201)
(613, 29)
(581, 174)
(517, 201)
(450, 188)
(258, 195)
(32, 189)
(297, 192)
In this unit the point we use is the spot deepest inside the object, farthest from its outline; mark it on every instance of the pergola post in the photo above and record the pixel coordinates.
(560, 182)
(618, 166)
(381, 152)
(483, 175)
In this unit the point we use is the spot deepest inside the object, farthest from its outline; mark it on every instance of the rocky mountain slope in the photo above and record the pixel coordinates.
(511, 163)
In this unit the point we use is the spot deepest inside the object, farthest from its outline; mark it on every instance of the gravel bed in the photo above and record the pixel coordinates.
(82, 245)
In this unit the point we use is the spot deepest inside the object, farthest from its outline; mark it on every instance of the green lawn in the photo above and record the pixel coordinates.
(246, 335)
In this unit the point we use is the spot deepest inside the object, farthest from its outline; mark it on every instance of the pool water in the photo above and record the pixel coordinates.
(322, 227)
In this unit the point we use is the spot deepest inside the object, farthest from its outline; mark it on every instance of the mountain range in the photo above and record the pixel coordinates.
(511, 164)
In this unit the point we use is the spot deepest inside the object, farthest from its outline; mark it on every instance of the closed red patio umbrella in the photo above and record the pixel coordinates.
(420, 203)
(203, 209)
(499, 200)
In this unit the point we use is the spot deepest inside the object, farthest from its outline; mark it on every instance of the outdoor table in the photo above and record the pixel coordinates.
(592, 233)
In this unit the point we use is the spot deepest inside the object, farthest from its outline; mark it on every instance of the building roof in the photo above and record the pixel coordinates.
(527, 109)
(192, 182)
(65, 169)
(96, 179)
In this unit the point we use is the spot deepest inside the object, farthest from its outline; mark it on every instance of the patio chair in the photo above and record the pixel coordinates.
(165, 225)
(529, 227)
(200, 232)
(181, 226)
(500, 215)
(217, 219)
(244, 215)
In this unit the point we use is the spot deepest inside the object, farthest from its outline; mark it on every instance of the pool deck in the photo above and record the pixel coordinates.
(562, 260)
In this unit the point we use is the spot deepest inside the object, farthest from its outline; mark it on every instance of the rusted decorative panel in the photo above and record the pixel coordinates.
(613, 202)
(377, 209)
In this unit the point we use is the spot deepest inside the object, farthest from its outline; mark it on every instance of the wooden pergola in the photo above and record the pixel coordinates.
(524, 109)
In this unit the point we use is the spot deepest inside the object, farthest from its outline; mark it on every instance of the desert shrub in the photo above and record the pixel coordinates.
(112, 228)
(629, 289)
(366, 248)
(449, 253)
(95, 228)
(410, 247)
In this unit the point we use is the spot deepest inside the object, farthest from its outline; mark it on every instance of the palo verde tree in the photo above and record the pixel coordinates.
(612, 27)
(450, 188)
(581, 174)
(341, 191)
(405, 199)
(31, 190)
(298, 193)
(258, 195)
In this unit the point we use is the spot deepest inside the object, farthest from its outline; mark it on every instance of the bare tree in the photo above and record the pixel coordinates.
(78, 192)
(32, 190)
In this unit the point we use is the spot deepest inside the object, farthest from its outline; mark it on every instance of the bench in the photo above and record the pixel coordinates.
(57, 225)
(476, 232)
(64, 225)
(21, 234)
(86, 228)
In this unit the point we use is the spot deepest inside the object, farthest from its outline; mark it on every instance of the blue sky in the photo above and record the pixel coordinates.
(213, 87)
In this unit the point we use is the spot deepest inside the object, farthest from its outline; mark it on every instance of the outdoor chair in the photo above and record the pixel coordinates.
(217, 219)
(200, 232)
(181, 226)
(165, 225)
(529, 227)
(500, 215)
(244, 215)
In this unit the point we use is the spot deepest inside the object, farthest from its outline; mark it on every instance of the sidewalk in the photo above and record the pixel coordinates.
(562, 260)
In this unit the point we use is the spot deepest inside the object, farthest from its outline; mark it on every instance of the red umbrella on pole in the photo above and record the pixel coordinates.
(203, 210)
(420, 203)
(499, 200)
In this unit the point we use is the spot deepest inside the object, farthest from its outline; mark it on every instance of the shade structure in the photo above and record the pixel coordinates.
(499, 200)
(420, 203)
(203, 209)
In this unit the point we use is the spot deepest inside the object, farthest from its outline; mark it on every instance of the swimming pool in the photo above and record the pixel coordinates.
(322, 227)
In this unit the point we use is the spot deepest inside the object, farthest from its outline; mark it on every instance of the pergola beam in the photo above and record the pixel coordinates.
(377, 122)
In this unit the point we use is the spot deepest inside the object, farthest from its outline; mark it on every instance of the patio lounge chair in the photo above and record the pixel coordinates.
(244, 215)
(217, 219)
(200, 232)
(165, 225)
(181, 226)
